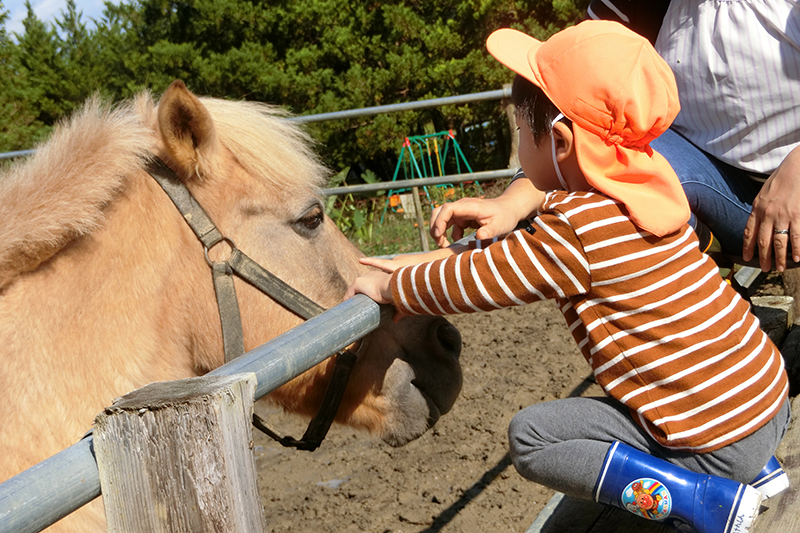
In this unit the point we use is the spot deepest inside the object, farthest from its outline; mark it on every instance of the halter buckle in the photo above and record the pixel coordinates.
(226, 240)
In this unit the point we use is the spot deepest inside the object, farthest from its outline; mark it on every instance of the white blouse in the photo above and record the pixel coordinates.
(737, 64)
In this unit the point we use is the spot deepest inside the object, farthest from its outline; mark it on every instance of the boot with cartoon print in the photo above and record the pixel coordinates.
(658, 490)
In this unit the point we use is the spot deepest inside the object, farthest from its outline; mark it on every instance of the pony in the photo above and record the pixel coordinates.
(104, 288)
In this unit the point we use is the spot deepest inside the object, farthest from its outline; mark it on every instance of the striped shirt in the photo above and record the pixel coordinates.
(737, 65)
(663, 332)
(642, 16)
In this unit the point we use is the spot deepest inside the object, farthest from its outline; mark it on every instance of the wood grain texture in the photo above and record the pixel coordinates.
(780, 514)
(176, 456)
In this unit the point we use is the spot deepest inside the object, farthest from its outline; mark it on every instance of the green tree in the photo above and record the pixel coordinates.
(19, 129)
(310, 56)
(316, 56)
(48, 73)
(41, 65)
(120, 51)
(77, 48)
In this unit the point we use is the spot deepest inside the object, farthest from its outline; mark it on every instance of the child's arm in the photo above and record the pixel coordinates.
(390, 265)
(492, 217)
(376, 284)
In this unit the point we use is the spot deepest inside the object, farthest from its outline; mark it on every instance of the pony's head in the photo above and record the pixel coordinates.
(104, 287)
(258, 177)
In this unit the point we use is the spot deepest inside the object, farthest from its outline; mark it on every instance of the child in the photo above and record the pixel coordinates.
(697, 392)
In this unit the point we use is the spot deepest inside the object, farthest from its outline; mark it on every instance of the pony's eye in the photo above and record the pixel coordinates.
(313, 219)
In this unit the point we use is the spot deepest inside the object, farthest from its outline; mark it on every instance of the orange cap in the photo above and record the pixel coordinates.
(620, 95)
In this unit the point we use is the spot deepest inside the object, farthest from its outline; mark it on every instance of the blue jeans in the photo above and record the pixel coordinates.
(720, 195)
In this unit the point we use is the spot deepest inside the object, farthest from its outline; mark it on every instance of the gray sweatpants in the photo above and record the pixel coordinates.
(562, 444)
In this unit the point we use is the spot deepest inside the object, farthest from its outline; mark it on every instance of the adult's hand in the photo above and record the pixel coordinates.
(776, 208)
(491, 217)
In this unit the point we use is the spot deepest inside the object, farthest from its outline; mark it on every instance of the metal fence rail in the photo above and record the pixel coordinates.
(407, 106)
(420, 182)
(54, 488)
(366, 111)
(18, 153)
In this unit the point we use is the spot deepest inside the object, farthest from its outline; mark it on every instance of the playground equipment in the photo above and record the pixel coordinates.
(425, 156)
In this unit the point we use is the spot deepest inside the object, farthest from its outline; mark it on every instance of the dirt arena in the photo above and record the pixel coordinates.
(458, 476)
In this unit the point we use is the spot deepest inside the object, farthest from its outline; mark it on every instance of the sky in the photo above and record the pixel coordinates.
(49, 10)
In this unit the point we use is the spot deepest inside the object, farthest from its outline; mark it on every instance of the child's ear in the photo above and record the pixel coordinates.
(565, 141)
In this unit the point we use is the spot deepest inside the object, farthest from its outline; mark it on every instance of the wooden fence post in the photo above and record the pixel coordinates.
(177, 457)
(513, 159)
(423, 229)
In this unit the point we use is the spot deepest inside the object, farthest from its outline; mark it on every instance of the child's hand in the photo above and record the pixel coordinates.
(373, 284)
(487, 216)
(390, 265)
(387, 265)
(492, 217)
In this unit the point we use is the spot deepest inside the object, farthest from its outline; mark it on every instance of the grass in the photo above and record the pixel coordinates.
(393, 232)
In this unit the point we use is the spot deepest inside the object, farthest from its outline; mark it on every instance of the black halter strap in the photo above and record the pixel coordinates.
(241, 265)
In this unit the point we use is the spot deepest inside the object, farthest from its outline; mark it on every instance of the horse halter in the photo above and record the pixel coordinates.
(232, 337)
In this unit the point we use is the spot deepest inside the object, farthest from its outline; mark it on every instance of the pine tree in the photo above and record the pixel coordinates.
(77, 50)
(19, 128)
(310, 56)
(41, 65)
(316, 56)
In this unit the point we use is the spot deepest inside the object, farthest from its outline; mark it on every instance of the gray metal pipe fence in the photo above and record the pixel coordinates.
(367, 111)
(63, 483)
(407, 106)
(18, 153)
(420, 182)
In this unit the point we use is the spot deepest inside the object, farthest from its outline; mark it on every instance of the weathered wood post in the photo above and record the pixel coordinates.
(423, 229)
(176, 457)
(513, 159)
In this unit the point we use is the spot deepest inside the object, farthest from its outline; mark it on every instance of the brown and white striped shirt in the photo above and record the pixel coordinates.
(663, 332)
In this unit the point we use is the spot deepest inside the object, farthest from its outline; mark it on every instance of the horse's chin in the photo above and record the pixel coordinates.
(415, 411)
(396, 438)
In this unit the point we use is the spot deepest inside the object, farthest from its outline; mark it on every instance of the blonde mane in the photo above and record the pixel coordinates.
(265, 143)
(60, 192)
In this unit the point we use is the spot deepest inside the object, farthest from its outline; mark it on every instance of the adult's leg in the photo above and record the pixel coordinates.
(719, 195)
(562, 444)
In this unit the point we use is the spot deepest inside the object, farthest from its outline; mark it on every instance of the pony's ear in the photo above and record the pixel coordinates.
(186, 129)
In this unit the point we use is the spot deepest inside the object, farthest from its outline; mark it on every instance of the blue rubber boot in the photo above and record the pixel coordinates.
(772, 480)
(658, 490)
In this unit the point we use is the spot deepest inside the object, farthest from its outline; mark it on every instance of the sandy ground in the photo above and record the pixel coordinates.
(458, 476)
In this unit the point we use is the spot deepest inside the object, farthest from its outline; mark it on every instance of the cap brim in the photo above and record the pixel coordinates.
(511, 48)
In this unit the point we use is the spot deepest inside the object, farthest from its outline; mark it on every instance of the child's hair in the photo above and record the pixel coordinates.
(534, 107)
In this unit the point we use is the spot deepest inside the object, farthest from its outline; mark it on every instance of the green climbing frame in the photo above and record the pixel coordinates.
(425, 156)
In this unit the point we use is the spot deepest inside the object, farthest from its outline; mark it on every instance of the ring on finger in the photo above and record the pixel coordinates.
(780, 231)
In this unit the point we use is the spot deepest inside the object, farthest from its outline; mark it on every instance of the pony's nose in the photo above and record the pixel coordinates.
(443, 378)
(448, 339)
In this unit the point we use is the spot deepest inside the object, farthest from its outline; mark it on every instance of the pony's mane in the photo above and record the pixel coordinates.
(266, 144)
(60, 192)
